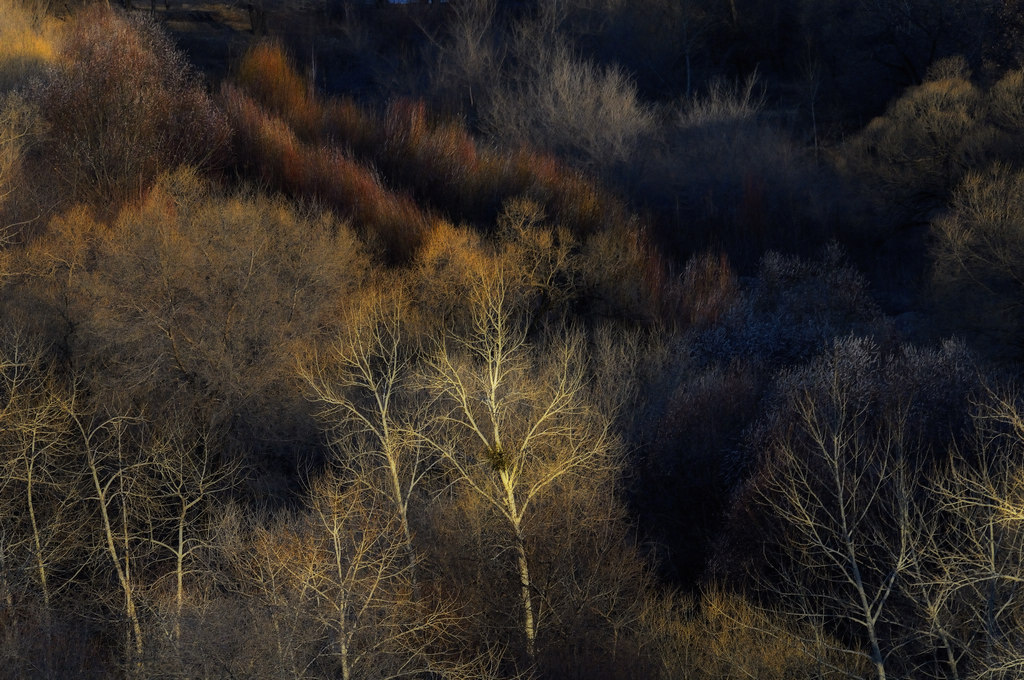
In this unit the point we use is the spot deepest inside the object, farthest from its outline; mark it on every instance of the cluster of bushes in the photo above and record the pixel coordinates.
(946, 155)
(436, 162)
(437, 441)
(548, 371)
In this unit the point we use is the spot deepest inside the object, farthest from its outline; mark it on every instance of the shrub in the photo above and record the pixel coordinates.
(295, 143)
(267, 74)
(441, 164)
(920, 148)
(793, 308)
(930, 388)
(572, 107)
(448, 262)
(202, 300)
(1006, 101)
(50, 299)
(124, 106)
(1004, 109)
(435, 160)
(348, 126)
(724, 635)
(267, 147)
(694, 417)
(709, 288)
(263, 144)
(469, 55)
(978, 254)
(723, 103)
(622, 275)
(722, 177)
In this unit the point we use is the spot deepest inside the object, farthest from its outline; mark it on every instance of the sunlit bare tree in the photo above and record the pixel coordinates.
(361, 383)
(514, 424)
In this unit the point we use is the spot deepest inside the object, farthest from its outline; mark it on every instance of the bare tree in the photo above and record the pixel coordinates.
(514, 423)
(364, 589)
(117, 468)
(261, 553)
(842, 491)
(361, 382)
(38, 497)
(332, 585)
(974, 555)
(190, 471)
(469, 54)
(42, 530)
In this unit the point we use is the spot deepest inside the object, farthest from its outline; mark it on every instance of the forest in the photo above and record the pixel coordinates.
(512, 339)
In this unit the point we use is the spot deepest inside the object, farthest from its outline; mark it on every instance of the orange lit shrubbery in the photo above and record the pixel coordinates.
(346, 124)
(268, 76)
(434, 160)
(267, 146)
(264, 144)
(437, 161)
(443, 164)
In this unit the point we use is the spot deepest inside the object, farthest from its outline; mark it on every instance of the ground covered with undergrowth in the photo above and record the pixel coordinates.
(479, 339)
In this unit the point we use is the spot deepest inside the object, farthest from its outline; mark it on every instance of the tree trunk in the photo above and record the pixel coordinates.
(525, 585)
(123, 575)
(529, 626)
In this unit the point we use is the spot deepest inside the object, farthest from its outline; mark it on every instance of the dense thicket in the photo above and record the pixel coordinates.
(480, 339)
